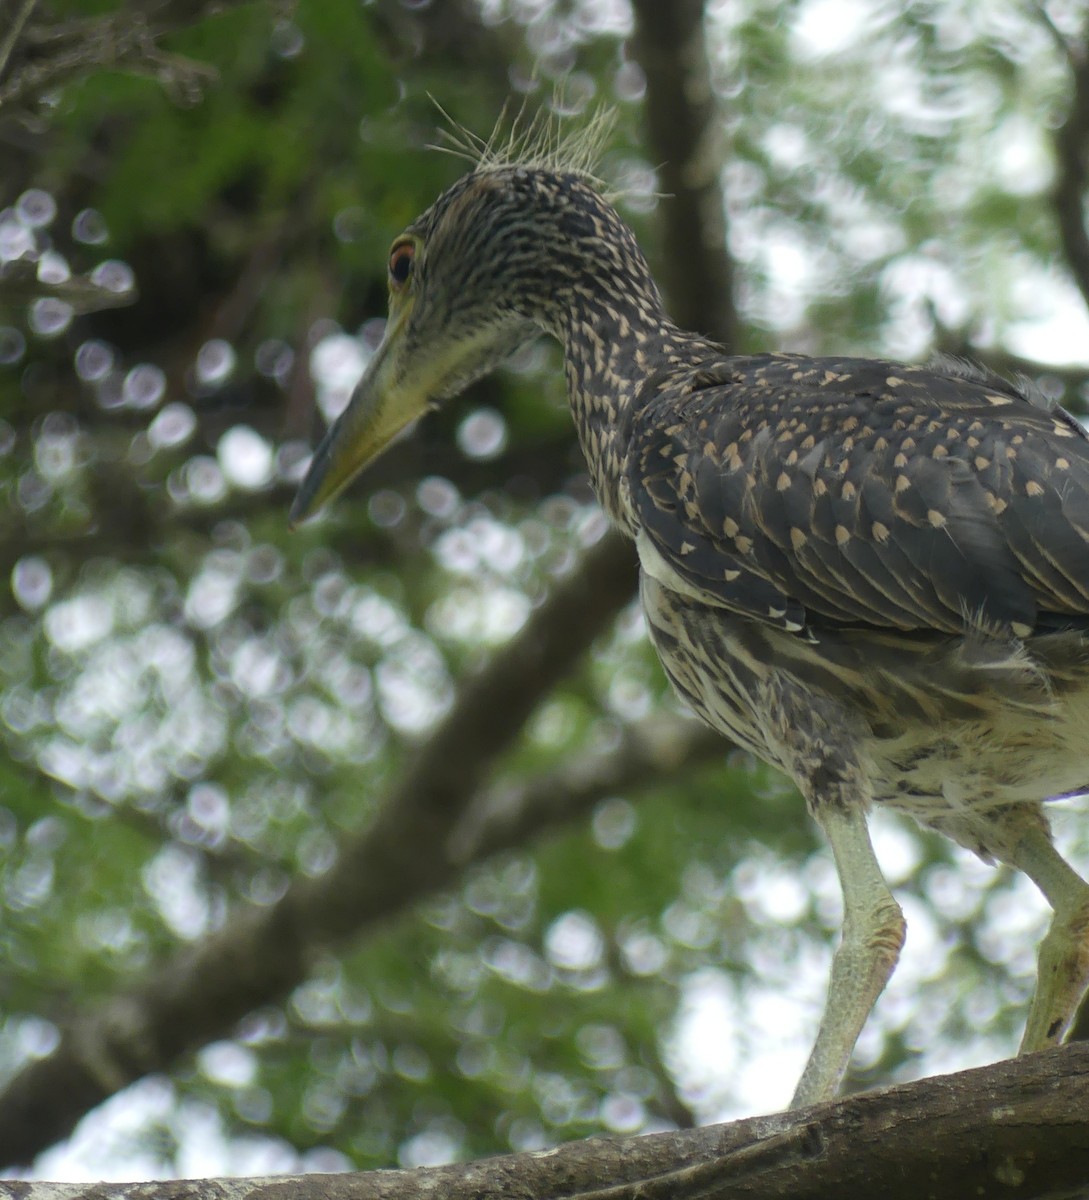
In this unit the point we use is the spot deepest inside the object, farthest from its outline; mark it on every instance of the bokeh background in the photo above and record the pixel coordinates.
(383, 842)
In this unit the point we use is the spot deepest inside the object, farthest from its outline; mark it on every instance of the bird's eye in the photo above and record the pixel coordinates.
(400, 264)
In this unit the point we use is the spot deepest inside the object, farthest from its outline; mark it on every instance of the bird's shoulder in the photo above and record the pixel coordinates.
(864, 491)
(791, 391)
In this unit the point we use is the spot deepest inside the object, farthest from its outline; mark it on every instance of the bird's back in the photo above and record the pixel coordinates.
(836, 492)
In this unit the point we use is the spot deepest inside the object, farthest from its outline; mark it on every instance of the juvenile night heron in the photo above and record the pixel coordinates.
(873, 576)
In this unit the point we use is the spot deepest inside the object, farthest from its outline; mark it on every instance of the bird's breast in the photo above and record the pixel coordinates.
(942, 724)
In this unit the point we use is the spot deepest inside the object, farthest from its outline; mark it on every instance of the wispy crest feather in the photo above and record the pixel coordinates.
(538, 140)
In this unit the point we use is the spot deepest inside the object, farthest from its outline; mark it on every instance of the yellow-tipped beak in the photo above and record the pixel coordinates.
(376, 413)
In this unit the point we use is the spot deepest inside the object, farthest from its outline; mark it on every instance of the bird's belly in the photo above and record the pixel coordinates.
(942, 727)
(942, 775)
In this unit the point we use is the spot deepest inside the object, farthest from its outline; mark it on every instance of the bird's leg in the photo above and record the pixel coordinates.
(1062, 975)
(873, 932)
(819, 737)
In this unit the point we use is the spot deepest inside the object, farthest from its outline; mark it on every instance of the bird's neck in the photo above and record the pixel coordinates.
(608, 360)
(596, 294)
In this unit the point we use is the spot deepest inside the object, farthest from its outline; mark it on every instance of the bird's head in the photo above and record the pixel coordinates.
(508, 252)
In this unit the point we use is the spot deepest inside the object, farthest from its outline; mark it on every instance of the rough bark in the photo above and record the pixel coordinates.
(1017, 1130)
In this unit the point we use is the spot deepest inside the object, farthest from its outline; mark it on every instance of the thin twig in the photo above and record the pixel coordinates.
(8, 44)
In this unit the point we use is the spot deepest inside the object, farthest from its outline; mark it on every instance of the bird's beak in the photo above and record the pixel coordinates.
(381, 406)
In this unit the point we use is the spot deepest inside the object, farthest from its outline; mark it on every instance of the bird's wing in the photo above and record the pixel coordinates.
(806, 491)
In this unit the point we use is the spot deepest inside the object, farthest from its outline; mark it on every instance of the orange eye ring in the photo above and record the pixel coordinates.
(401, 258)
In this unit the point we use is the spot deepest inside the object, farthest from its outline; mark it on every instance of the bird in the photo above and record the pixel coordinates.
(872, 575)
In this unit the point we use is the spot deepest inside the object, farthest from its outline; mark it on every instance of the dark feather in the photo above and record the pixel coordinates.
(866, 492)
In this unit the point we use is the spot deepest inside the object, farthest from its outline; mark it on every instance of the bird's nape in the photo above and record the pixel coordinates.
(873, 576)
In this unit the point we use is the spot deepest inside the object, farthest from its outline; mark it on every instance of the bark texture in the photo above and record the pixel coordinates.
(1018, 1130)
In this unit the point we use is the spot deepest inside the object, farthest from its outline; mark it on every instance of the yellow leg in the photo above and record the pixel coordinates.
(1062, 975)
(873, 933)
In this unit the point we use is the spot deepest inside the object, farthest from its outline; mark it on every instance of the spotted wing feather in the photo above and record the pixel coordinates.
(806, 491)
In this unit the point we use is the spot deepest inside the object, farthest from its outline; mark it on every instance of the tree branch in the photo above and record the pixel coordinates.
(1015, 1130)
(508, 816)
(1072, 156)
(683, 134)
(20, 285)
(46, 56)
(22, 15)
